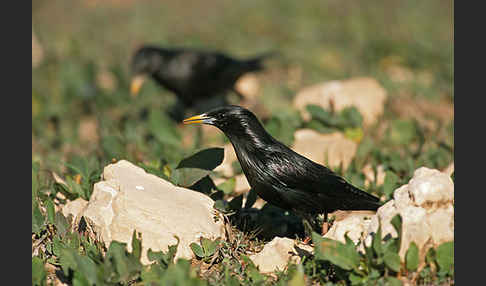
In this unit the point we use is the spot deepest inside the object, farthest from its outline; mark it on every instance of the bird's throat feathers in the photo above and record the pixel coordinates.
(249, 139)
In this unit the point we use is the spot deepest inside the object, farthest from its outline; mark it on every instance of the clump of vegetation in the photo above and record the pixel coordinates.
(69, 251)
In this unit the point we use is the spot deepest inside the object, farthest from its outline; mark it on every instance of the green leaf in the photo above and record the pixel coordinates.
(61, 223)
(227, 186)
(35, 184)
(164, 259)
(412, 257)
(319, 127)
(171, 253)
(393, 281)
(391, 244)
(73, 188)
(319, 113)
(154, 275)
(50, 211)
(355, 279)
(298, 277)
(206, 159)
(125, 265)
(348, 240)
(79, 279)
(38, 272)
(194, 168)
(368, 253)
(376, 242)
(342, 255)
(392, 261)
(87, 267)
(255, 276)
(116, 253)
(92, 250)
(67, 260)
(73, 240)
(198, 251)
(396, 222)
(182, 274)
(154, 255)
(222, 206)
(186, 177)
(445, 256)
(249, 263)
(151, 275)
(37, 219)
(390, 183)
(209, 246)
(136, 245)
(57, 246)
(351, 117)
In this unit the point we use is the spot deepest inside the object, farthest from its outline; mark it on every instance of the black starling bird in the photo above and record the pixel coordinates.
(193, 75)
(281, 176)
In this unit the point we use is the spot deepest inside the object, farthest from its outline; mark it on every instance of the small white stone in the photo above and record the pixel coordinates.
(352, 223)
(277, 253)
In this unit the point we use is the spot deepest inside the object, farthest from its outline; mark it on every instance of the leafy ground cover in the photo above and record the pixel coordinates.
(83, 118)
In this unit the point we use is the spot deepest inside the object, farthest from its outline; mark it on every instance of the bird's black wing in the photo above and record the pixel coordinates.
(302, 180)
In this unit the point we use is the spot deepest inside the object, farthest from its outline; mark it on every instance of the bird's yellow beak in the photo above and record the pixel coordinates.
(196, 119)
(136, 84)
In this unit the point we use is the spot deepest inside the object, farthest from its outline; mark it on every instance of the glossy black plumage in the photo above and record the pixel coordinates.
(193, 75)
(281, 176)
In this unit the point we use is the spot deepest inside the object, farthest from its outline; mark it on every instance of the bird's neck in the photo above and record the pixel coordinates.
(251, 143)
(250, 139)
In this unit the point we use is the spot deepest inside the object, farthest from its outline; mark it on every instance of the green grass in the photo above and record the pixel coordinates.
(81, 123)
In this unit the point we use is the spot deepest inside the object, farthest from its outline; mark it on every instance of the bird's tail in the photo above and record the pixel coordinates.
(363, 201)
(256, 63)
(365, 205)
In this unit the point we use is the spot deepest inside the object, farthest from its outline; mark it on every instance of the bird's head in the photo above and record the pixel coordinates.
(145, 62)
(234, 121)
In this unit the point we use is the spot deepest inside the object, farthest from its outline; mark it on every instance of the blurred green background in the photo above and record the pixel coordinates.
(81, 108)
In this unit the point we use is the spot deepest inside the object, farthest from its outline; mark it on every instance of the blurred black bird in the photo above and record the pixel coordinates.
(193, 75)
(281, 176)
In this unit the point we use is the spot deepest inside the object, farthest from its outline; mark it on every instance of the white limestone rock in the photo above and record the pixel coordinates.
(130, 199)
(332, 150)
(366, 94)
(426, 205)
